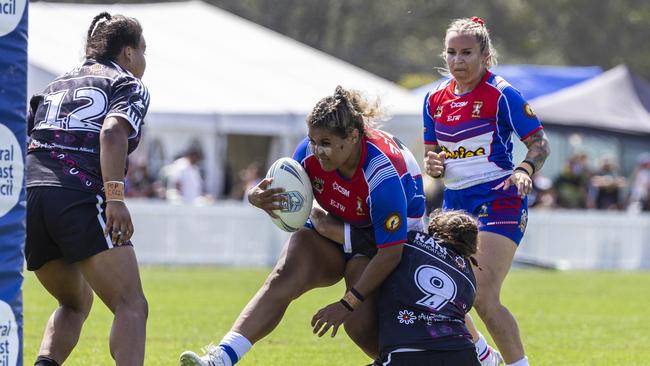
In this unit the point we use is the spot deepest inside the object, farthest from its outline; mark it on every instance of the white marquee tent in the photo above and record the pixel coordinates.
(211, 74)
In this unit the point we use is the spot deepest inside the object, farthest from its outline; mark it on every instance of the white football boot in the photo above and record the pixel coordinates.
(212, 357)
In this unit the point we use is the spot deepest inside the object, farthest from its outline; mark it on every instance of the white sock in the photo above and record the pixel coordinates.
(233, 347)
(482, 348)
(522, 362)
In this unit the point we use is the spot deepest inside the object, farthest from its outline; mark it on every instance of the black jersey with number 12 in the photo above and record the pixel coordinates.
(66, 118)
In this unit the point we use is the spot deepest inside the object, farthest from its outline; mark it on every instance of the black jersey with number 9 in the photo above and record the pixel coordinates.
(422, 304)
(66, 118)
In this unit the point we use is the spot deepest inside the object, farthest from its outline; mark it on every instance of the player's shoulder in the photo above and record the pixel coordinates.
(302, 152)
(503, 87)
(433, 97)
(383, 150)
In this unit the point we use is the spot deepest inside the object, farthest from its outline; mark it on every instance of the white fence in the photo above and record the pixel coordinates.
(233, 233)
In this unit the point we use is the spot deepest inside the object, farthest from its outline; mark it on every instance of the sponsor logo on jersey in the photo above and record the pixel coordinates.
(458, 104)
(427, 242)
(96, 68)
(453, 118)
(529, 110)
(318, 184)
(339, 188)
(484, 211)
(337, 205)
(462, 152)
(392, 223)
(438, 112)
(476, 109)
(360, 211)
(523, 221)
(406, 317)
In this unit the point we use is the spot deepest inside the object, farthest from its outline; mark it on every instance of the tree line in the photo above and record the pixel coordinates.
(401, 40)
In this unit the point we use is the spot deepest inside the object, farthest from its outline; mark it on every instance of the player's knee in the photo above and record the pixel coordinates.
(135, 308)
(79, 304)
(486, 305)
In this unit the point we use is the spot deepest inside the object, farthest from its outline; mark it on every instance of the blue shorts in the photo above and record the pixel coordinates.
(498, 211)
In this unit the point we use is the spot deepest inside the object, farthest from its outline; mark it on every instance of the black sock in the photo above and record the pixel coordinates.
(45, 361)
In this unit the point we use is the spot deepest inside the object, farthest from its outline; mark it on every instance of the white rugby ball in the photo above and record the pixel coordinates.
(298, 196)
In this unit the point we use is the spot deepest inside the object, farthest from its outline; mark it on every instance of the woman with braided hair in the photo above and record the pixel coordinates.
(82, 127)
(469, 121)
(365, 178)
(423, 303)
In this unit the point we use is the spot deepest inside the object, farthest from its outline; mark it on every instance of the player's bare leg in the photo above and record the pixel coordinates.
(308, 261)
(495, 256)
(114, 276)
(67, 285)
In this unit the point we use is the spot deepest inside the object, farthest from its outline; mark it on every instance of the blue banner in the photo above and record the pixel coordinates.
(13, 107)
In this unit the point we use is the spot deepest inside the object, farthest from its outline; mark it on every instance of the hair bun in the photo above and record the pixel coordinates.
(340, 93)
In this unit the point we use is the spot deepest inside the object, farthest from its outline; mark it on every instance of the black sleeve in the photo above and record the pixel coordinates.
(34, 102)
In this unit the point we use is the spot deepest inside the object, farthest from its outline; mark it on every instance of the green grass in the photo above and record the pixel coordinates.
(566, 318)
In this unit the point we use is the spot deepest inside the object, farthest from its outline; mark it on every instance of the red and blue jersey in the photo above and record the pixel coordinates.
(474, 129)
(385, 191)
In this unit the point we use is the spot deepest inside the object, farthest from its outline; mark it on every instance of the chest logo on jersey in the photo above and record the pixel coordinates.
(438, 112)
(318, 184)
(476, 109)
(462, 152)
(392, 223)
(458, 104)
(360, 211)
(339, 188)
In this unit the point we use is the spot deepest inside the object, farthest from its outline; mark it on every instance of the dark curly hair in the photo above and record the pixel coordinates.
(108, 34)
(457, 228)
(344, 112)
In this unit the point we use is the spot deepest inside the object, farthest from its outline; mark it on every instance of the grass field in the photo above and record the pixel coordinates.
(566, 318)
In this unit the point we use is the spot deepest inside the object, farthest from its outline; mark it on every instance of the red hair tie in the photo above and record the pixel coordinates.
(478, 20)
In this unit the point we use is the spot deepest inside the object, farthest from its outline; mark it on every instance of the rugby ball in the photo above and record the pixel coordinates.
(297, 196)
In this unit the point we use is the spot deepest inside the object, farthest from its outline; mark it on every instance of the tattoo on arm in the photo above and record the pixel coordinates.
(538, 149)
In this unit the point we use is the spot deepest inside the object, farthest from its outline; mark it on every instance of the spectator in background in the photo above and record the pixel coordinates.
(139, 182)
(184, 177)
(543, 195)
(248, 178)
(606, 187)
(640, 185)
(571, 185)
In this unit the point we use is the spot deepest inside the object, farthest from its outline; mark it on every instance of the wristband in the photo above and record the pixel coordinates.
(347, 306)
(352, 300)
(523, 170)
(114, 191)
(532, 165)
(356, 294)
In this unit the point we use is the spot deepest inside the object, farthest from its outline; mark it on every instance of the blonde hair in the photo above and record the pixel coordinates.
(475, 26)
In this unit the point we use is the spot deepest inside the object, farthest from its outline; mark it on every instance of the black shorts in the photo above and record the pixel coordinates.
(64, 223)
(466, 357)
